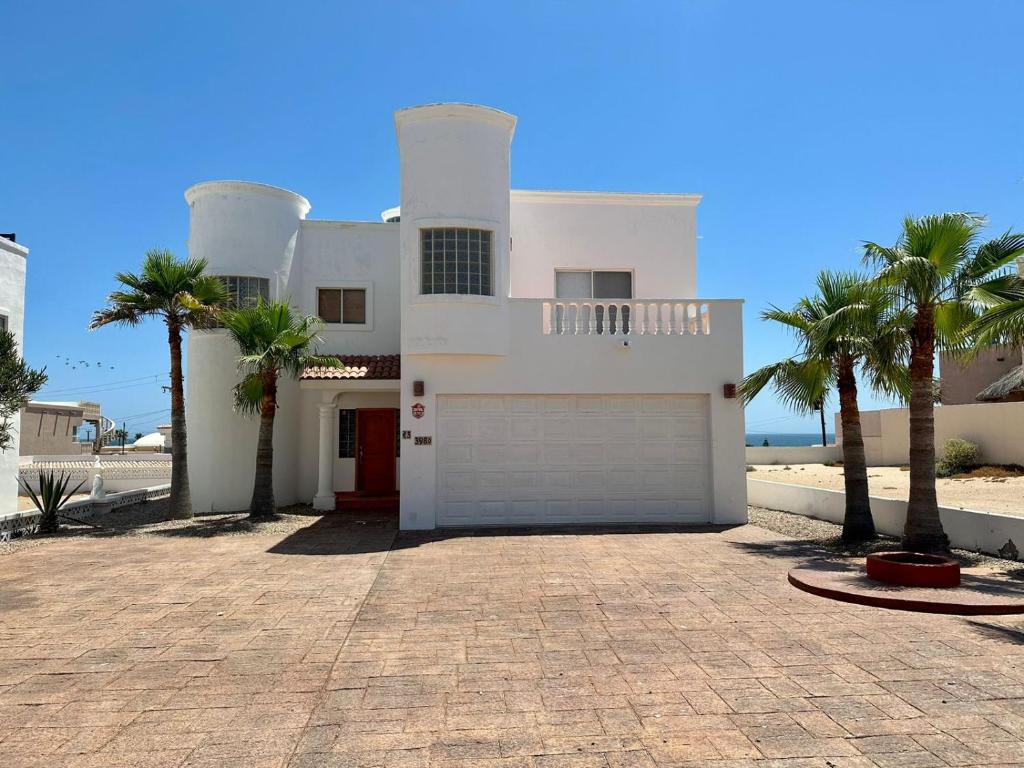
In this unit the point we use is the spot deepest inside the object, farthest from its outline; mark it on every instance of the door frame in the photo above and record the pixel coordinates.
(359, 480)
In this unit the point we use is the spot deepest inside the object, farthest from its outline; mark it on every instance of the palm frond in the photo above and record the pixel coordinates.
(248, 394)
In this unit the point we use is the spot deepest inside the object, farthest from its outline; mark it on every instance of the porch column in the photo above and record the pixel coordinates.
(324, 498)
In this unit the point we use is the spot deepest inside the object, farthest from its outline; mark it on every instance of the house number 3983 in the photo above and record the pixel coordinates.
(423, 440)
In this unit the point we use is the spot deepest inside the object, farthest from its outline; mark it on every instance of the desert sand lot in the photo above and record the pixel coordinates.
(1002, 494)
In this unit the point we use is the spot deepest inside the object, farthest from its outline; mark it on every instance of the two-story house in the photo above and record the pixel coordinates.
(511, 357)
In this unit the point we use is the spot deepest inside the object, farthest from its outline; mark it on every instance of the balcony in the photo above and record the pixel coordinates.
(640, 317)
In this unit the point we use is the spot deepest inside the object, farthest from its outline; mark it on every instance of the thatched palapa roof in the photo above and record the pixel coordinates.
(1010, 383)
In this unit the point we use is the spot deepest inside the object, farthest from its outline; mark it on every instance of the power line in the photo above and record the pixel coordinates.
(108, 386)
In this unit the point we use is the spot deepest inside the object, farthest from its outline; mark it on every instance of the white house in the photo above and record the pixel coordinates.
(513, 357)
(13, 261)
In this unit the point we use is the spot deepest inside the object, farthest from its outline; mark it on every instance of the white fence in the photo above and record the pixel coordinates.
(967, 528)
(18, 523)
(121, 473)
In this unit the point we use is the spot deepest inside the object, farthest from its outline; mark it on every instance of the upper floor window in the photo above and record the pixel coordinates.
(342, 305)
(593, 284)
(456, 260)
(245, 291)
(3, 323)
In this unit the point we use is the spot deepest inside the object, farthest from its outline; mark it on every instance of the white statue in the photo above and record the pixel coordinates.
(97, 493)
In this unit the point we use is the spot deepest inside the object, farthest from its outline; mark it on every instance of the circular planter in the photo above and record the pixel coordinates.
(912, 569)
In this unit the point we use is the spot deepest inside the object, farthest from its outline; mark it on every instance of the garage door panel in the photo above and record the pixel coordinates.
(529, 460)
(558, 428)
(492, 429)
(589, 453)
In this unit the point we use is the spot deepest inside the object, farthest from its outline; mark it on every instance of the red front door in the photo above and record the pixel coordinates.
(375, 450)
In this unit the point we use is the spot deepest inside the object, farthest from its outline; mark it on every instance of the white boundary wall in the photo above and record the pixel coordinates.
(801, 454)
(997, 428)
(967, 528)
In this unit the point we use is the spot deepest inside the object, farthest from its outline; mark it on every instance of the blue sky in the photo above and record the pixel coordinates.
(808, 127)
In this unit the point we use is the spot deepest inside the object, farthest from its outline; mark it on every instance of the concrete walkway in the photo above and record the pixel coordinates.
(338, 646)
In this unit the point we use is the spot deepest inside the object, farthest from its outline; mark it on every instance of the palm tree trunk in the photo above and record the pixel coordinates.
(858, 525)
(923, 529)
(821, 411)
(262, 504)
(181, 499)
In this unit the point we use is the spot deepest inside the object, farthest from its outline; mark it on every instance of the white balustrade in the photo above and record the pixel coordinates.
(649, 317)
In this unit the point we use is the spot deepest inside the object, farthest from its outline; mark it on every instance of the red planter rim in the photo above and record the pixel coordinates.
(913, 569)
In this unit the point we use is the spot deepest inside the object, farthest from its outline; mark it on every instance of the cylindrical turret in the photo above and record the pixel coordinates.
(454, 228)
(248, 234)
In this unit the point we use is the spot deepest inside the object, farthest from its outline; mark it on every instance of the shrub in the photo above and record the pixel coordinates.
(750, 468)
(53, 495)
(957, 456)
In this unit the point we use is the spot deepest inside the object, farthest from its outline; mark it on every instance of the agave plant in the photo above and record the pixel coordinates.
(52, 497)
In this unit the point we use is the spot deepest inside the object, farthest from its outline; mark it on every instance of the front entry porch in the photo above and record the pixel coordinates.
(358, 442)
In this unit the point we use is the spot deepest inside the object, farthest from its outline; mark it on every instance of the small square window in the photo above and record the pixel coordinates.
(329, 305)
(342, 305)
(353, 302)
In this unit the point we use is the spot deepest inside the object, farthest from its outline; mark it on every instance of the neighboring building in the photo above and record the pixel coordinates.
(993, 376)
(13, 264)
(154, 441)
(50, 429)
(534, 357)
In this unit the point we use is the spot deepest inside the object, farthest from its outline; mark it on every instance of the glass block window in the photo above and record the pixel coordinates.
(347, 433)
(456, 260)
(245, 291)
(342, 305)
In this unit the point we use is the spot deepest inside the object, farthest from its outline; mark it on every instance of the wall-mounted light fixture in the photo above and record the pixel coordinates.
(417, 388)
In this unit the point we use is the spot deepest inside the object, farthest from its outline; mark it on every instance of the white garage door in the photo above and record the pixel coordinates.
(535, 460)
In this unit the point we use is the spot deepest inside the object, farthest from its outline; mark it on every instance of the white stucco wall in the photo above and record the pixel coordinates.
(997, 428)
(338, 254)
(454, 163)
(13, 264)
(251, 230)
(549, 364)
(454, 160)
(654, 236)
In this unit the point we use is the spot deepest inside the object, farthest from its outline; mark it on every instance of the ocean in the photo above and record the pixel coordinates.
(787, 439)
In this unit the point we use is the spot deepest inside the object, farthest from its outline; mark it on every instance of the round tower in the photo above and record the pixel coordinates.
(454, 228)
(248, 234)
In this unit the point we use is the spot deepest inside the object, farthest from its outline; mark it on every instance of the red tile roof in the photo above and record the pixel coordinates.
(358, 367)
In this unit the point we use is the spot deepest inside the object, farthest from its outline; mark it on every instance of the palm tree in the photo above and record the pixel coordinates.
(184, 296)
(272, 339)
(846, 326)
(942, 275)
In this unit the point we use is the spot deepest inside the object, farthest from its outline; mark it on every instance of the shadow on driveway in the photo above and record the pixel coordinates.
(341, 534)
(344, 534)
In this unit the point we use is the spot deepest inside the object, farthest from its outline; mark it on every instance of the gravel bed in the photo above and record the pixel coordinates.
(828, 536)
(151, 519)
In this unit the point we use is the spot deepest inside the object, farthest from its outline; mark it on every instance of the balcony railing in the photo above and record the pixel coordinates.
(648, 317)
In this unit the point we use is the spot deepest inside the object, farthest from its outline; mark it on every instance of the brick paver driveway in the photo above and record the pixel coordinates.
(335, 647)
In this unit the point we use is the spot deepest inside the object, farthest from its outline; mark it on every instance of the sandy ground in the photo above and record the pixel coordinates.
(25, 503)
(151, 519)
(1003, 494)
